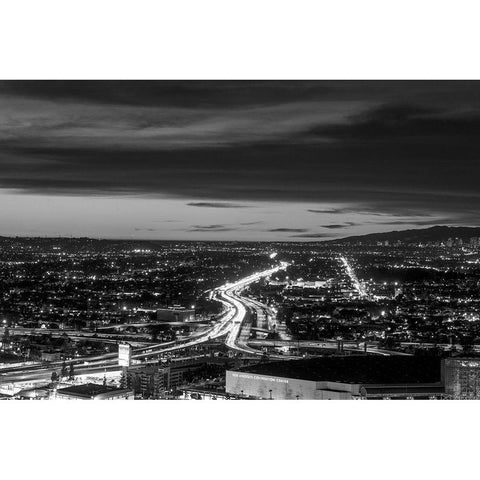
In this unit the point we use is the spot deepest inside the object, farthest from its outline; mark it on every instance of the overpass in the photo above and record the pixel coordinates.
(230, 321)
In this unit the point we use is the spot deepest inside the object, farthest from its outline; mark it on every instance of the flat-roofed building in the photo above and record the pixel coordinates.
(340, 378)
(92, 391)
(176, 314)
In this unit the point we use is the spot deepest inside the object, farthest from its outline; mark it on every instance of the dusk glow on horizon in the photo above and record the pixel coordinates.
(270, 161)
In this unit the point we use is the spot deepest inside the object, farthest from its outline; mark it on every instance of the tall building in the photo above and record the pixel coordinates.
(462, 378)
(150, 381)
(124, 354)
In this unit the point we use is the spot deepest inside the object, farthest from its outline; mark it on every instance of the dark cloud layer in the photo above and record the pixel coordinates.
(286, 230)
(337, 226)
(216, 205)
(312, 235)
(387, 148)
(211, 228)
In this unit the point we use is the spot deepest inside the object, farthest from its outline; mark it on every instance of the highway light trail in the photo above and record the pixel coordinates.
(240, 304)
(353, 278)
(229, 323)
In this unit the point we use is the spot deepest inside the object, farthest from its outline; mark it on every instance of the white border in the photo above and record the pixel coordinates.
(239, 439)
(239, 40)
(191, 39)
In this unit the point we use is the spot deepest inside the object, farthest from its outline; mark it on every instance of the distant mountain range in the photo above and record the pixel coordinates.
(432, 234)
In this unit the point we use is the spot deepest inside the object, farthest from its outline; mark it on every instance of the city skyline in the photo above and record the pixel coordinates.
(263, 160)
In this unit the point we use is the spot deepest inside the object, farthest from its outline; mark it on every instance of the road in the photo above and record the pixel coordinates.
(359, 287)
(229, 325)
(241, 305)
(229, 322)
(330, 344)
(134, 339)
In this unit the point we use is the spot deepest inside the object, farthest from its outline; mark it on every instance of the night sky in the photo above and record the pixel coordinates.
(237, 160)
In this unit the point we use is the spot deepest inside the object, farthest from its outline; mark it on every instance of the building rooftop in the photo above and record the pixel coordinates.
(364, 369)
(88, 390)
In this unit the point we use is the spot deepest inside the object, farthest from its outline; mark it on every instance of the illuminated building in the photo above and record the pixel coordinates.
(462, 378)
(176, 314)
(124, 354)
(150, 381)
(340, 378)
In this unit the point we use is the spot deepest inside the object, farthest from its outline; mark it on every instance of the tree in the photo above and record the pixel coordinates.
(71, 373)
(54, 377)
(123, 379)
(63, 372)
(389, 343)
(6, 337)
(154, 331)
(466, 342)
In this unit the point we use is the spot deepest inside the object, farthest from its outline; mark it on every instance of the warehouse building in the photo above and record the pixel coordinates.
(340, 378)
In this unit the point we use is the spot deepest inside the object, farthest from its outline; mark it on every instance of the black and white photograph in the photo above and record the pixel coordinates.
(254, 226)
(240, 240)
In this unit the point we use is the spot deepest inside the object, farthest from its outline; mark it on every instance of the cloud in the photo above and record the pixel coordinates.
(433, 221)
(339, 226)
(216, 205)
(211, 228)
(284, 229)
(331, 210)
(311, 235)
(407, 121)
(197, 94)
(395, 149)
(145, 229)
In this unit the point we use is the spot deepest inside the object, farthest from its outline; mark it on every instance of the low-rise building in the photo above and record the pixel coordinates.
(340, 378)
(92, 391)
(176, 314)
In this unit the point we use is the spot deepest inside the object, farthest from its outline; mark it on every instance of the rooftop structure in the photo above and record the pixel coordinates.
(340, 378)
(92, 391)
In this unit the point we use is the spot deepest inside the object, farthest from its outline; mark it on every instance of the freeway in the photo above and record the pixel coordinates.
(330, 344)
(242, 305)
(229, 325)
(133, 339)
(230, 321)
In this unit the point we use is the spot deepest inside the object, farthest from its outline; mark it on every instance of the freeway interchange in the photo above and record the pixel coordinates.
(229, 326)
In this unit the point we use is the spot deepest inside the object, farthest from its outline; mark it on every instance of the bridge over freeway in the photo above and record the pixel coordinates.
(230, 320)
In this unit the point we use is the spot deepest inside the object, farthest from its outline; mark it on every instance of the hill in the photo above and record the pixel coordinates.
(432, 234)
